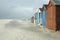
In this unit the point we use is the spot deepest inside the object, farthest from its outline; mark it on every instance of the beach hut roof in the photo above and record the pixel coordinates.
(56, 2)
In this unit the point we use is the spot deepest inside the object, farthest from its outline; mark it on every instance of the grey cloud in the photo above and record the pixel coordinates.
(18, 8)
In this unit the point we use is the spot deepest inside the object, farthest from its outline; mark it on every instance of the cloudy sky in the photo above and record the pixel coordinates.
(19, 8)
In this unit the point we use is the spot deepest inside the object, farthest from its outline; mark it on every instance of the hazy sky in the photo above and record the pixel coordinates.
(19, 8)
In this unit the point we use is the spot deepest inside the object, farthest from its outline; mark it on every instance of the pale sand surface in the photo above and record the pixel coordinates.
(23, 30)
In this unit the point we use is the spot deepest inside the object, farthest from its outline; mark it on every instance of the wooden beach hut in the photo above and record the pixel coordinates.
(53, 15)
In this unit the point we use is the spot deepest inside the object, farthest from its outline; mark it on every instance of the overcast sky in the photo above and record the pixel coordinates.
(19, 8)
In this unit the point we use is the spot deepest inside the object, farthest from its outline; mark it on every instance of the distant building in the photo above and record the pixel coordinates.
(32, 19)
(53, 15)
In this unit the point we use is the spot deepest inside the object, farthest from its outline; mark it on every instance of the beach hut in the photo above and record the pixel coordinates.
(43, 16)
(40, 16)
(37, 18)
(53, 15)
(32, 19)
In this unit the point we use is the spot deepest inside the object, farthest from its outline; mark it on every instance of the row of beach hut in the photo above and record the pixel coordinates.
(49, 15)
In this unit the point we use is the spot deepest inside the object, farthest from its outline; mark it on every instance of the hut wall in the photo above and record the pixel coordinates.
(37, 18)
(44, 18)
(51, 17)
